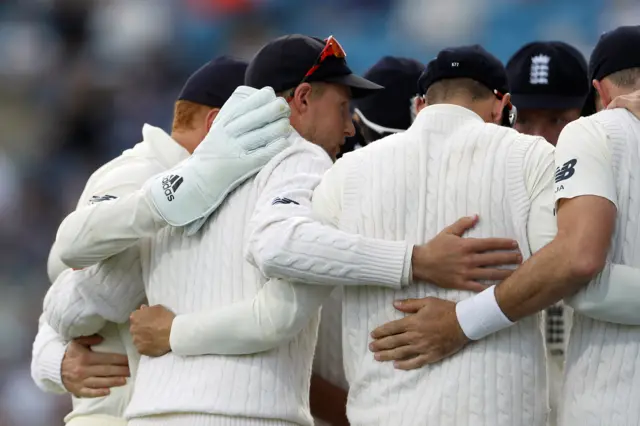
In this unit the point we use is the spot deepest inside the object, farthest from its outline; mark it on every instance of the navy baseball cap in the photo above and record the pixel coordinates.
(472, 62)
(548, 75)
(214, 82)
(282, 64)
(616, 50)
(389, 110)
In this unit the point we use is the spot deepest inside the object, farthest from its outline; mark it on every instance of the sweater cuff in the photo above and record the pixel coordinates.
(384, 263)
(181, 339)
(50, 366)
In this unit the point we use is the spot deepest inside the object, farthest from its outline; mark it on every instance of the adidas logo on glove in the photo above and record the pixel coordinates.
(251, 128)
(170, 185)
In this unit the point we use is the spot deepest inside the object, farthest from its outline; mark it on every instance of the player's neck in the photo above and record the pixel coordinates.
(185, 140)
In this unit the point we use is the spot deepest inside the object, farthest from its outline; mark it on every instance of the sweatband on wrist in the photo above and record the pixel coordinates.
(480, 315)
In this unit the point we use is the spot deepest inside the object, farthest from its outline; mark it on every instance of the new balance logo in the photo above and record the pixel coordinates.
(566, 171)
(284, 201)
(539, 73)
(170, 185)
(97, 199)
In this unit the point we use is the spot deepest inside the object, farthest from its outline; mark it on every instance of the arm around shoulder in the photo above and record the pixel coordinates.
(80, 302)
(112, 215)
(287, 230)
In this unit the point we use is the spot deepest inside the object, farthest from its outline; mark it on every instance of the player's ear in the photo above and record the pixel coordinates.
(603, 92)
(500, 108)
(211, 116)
(301, 96)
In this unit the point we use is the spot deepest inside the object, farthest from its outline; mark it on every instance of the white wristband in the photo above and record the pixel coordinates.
(480, 315)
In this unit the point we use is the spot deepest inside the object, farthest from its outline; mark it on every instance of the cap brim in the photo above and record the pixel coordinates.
(360, 86)
(547, 101)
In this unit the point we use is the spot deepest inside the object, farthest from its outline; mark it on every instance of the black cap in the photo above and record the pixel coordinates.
(214, 82)
(548, 75)
(283, 63)
(472, 62)
(616, 50)
(390, 108)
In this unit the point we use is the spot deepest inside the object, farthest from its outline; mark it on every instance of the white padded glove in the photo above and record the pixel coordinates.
(250, 129)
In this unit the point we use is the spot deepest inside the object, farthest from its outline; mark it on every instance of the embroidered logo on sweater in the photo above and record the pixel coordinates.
(539, 73)
(283, 201)
(170, 185)
(566, 171)
(99, 198)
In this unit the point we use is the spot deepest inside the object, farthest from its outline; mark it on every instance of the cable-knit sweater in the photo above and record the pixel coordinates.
(410, 186)
(87, 235)
(202, 273)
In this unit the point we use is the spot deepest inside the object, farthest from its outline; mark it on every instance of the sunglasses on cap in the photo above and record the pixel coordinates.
(331, 49)
(510, 112)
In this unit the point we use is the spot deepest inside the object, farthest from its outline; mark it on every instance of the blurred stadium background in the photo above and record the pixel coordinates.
(78, 78)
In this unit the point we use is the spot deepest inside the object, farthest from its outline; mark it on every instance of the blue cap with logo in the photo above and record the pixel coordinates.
(548, 75)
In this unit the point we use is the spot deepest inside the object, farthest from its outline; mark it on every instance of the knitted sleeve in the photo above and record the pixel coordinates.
(80, 302)
(46, 358)
(288, 242)
(274, 316)
(112, 215)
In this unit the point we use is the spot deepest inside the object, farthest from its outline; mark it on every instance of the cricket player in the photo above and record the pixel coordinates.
(594, 188)
(394, 108)
(58, 366)
(386, 111)
(548, 83)
(370, 401)
(374, 261)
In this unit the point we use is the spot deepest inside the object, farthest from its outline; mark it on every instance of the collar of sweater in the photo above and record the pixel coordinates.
(450, 109)
(167, 150)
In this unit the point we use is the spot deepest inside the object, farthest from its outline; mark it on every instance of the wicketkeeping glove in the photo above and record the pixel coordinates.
(250, 129)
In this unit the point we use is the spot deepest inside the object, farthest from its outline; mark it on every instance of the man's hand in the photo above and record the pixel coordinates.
(88, 374)
(429, 335)
(630, 102)
(450, 261)
(151, 329)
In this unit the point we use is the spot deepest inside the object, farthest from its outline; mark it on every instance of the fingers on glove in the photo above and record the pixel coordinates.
(252, 120)
(238, 105)
(260, 138)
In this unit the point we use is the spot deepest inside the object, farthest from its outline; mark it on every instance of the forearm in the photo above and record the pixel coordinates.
(97, 232)
(613, 296)
(274, 316)
(80, 302)
(306, 251)
(548, 277)
(47, 354)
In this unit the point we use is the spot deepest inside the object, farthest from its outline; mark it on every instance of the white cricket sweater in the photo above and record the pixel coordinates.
(410, 186)
(327, 361)
(205, 272)
(91, 234)
(602, 379)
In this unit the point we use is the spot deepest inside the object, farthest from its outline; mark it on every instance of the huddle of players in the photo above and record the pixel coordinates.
(548, 84)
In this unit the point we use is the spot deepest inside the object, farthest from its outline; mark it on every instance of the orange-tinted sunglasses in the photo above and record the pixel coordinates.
(331, 49)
